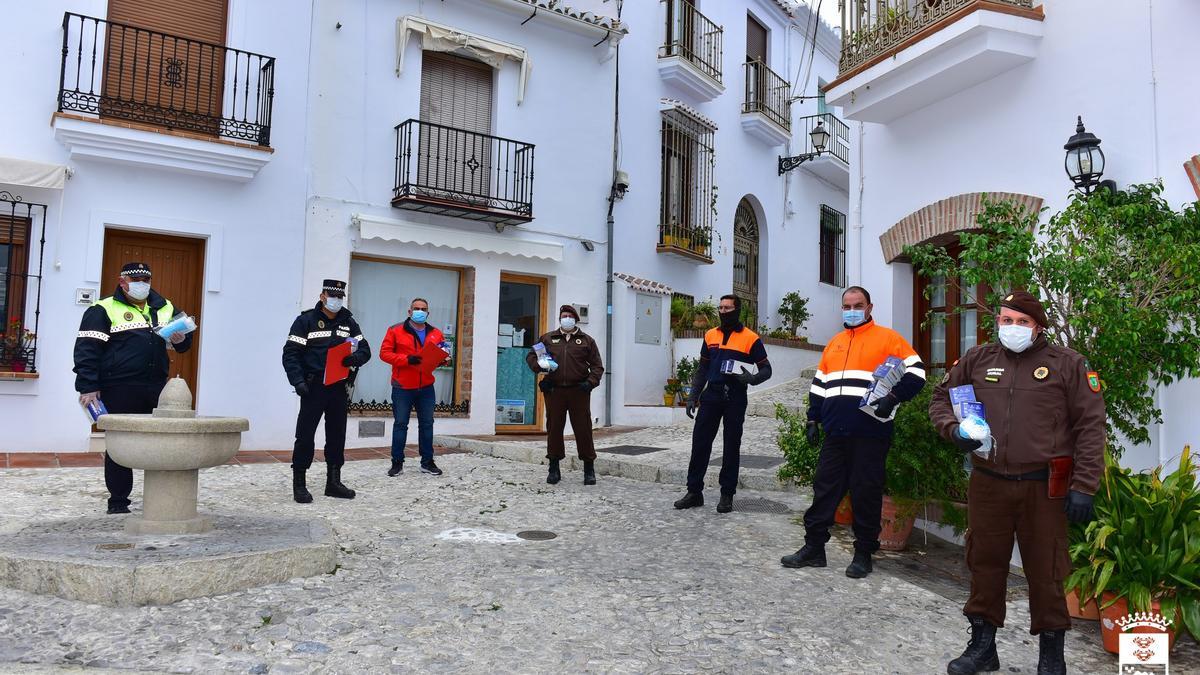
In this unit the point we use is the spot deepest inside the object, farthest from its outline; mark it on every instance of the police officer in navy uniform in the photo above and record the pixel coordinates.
(312, 334)
(120, 361)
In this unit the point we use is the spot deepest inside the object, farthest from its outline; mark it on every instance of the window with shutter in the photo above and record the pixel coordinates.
(456, 153)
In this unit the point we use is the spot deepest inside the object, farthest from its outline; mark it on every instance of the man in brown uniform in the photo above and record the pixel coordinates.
(568, 391)
(1042, 403)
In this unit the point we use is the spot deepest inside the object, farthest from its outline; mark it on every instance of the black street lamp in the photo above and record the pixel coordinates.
(819, 137)
(1085, 160)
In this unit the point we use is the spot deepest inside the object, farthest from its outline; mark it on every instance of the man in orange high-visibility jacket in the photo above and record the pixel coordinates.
(854, 453)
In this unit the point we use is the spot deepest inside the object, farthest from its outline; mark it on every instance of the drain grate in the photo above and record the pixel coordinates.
(751, 461)
(113, 547)
(760, 505)
(537, 535)
(630, 449)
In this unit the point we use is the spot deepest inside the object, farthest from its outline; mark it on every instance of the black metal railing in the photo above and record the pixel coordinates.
(688, 205)
(768, 94)
(373, 407)
(838, 144)
(694, 37)
(441, 169)
(20, 286)
(696, 240)
(121, 71)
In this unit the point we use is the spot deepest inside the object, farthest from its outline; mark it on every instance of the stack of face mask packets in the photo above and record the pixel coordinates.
(886, 376)
(182, 323)
(971, 420)
(544, 361)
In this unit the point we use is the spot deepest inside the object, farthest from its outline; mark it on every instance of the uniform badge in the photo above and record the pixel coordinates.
(1041, 373)
(555, 341)
(1093, 379)
(320, 323)
(993, 374)
(129, 316)
(578, 341)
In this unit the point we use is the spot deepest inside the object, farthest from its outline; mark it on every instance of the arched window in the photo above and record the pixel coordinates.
(745, 260)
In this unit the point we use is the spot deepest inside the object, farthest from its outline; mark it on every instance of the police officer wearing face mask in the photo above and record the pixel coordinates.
(1046, 415)
(120, 361)
(567, 385)
(304, 355)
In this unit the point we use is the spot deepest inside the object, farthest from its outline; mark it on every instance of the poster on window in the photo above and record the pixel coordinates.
(510, 411)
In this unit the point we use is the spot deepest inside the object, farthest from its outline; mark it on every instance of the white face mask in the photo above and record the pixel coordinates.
(334, 304)
(138, 290)
(567, 323)
(1016, 338)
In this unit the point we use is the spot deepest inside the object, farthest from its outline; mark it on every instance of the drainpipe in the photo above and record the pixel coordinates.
(858, 209)
(608, 277)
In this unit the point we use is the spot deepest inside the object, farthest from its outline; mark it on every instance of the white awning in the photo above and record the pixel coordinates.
(27, 173)
(374, 227)
(441, 38)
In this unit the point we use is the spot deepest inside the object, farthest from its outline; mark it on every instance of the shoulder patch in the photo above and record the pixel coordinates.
(1093, 380)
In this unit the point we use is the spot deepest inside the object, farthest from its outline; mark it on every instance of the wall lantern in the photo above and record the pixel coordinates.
(819, 137)
(1085, 161)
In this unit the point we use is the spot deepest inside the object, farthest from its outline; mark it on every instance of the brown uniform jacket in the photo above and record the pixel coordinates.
(1040, 403)
(577, 356)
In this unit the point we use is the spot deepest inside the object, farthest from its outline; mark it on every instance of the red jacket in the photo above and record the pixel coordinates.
(399, 343)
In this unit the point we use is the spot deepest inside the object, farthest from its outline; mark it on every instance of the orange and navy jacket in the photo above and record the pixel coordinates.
(740, 345)
(846, 371)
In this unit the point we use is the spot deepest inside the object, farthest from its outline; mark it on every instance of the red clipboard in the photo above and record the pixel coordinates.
(334, 370)
(432, 356)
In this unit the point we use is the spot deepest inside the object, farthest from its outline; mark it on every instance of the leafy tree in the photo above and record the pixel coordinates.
(1119, 273)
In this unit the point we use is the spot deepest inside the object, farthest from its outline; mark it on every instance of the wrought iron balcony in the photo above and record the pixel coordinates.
(694, 243)
(767, 94)
(694, 37)
(115, 70)
(873, 28)
(440, 169)
(839, 135)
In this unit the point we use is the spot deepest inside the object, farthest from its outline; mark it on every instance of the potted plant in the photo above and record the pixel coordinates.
(681, 315)
(669, 392)
(793, 311)
(16, 346)
(1140, 554)
(704, 315)
(685, 370)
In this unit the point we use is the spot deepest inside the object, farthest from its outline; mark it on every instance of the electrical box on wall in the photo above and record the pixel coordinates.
(583, 313)
(85, 296)
(648, 322)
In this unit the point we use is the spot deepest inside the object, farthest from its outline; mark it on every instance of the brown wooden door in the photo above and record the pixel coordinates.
(177, 264)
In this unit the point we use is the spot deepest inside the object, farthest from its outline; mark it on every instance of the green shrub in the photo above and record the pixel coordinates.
(800, 457)
(794, 312)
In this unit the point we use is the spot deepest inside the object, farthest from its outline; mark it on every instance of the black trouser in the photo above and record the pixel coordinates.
(855, 463)
(731, 411)
(329, 401)
(130, 399)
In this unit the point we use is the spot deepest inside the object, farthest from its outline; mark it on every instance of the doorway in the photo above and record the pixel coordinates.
(177, 267)
(521, 322)
(745, 261)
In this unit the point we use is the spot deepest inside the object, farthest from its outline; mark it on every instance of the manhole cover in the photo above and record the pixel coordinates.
(113, 547)
(751, 461)
(537, 535)
(629, 449)
(760, 505)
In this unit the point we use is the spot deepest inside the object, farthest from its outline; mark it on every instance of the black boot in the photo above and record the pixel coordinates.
(589, 473)
(860, 566)
(299, 491)
(1050, 653)
(690, 501)
(808, 556)
(397, 467)
(726, 503)
(980, 654)
(554, 475)
(333, 484)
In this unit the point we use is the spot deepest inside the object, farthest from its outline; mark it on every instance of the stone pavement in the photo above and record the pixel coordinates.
(629, 585)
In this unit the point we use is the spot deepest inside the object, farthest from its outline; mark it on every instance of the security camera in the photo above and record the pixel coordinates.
(621, 184)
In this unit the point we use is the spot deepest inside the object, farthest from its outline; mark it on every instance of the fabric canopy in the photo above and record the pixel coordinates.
(372, 227)
(440, 38)
(26, 173)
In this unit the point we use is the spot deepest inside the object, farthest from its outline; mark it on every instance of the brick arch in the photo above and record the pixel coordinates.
(942, 218)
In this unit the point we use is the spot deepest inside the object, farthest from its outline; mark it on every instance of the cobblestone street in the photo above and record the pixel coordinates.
(629, 585)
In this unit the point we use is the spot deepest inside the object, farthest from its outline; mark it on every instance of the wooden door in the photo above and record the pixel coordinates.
(177, 267)
(522, 320)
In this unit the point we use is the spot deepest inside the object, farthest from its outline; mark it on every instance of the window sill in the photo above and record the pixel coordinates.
(11, 375)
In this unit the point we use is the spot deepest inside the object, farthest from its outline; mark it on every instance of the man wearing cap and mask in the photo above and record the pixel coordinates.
(313, 333)
(567, 386)
(120, 360)
(1046, 415)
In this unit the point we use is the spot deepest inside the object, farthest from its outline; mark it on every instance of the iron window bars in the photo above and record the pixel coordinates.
(688, 194)
(19, 223)
(833, 247)
(694, 37)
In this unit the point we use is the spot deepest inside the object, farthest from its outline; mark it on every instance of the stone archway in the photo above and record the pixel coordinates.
(746, 239)
(942, 218)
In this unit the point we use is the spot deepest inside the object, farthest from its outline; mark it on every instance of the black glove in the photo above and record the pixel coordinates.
(813, 433)
(1079, 507)
(745, 377)
(964, 444)
(545, 386)
(585, 385)
(350, 360)
(691, 408)
(302, 389)
(414, 360)
(885, 406)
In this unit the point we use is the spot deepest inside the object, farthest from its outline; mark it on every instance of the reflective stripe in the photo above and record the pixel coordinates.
(912, 360)
(319, 334)
(343, 333)
(359, 337)
(856, 392)
(817, 391)
(94, 334)
(128, 326)
(297, 339)
(864, 375)
(919, 372)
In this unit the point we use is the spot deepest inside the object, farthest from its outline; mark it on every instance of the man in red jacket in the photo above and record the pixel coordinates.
(412, 386)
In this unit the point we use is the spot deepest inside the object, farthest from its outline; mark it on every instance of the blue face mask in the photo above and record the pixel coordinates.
(419, 316)
(853, 317)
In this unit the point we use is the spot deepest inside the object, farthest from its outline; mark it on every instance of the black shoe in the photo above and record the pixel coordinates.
(726, 504)
(1050, 653)
(117, 509)
(397, 467)
(808, 556)
(860, 566)
(299, 490)
(554, 475)
(589, 473)
(980, 654)
(690, 501)
(431, 468)
(333, 484)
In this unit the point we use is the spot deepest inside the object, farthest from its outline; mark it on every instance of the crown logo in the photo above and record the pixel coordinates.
(1143, 620)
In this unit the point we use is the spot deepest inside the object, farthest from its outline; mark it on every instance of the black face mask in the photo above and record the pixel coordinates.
(729, 320)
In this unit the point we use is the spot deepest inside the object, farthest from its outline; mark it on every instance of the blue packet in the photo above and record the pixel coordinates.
(962, 394)
(94, 410)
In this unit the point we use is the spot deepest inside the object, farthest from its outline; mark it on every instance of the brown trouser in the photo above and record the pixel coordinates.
(996, 510)
(573, 401)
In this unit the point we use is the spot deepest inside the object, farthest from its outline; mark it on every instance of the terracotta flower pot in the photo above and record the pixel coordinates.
(1088, 611)
(844, 514)
(1110, 632)
(896, 526)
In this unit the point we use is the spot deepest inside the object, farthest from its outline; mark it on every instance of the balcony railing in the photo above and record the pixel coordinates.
(440, 169)
(871, 28)
(768, 94)
(691, 242)
(120, 71)
(692, 36)
(838, 144)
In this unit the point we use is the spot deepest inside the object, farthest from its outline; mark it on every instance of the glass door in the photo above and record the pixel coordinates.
(522, 308)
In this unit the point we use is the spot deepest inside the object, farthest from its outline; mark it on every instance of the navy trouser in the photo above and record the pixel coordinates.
(732, 412)
(329, 402)
(848, 462)
(403, 402)
(137, 399)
